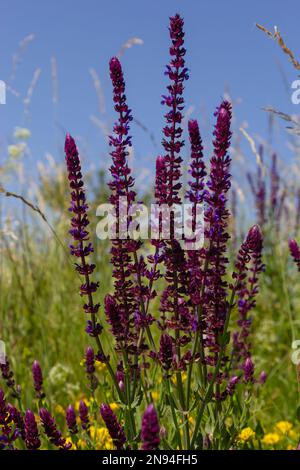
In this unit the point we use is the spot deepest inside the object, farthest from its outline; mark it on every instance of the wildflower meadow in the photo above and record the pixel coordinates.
(161, 316)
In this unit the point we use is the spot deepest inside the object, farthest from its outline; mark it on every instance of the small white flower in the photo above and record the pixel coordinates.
(16, 150)
(22, 133)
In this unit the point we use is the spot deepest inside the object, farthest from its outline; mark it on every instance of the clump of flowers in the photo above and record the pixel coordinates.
(273, 197)
(246, 435)
(271, 439)
(284, 426)
(186, 343)
(283, 435)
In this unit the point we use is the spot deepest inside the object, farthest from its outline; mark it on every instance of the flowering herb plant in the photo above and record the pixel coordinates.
(176, 318)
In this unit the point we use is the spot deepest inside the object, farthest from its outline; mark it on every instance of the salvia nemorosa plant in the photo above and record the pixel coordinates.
(177, 319)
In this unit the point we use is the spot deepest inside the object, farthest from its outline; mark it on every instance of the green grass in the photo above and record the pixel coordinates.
(41, 318)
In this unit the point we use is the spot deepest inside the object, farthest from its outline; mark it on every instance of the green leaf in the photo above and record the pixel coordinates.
(224, 339)
(259, 430)
(138, 399)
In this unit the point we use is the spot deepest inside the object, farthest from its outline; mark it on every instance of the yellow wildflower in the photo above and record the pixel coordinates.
(100, 366)
(183, 377)
(114, 406)
(93, 432)
(81, 444)
(246, 434)
(292, 434)
(290, 447)
(283, 426)
(102, 439)
(69, 441)
(59, 410)
(271, 439)
(155, 396)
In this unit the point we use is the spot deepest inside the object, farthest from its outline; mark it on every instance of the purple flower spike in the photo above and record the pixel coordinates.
(160, 192)
(71, 420)
(114, 428)
(51, 430)
(166, 351)
(84, 415)
(216, 218)
(150, 429)
(115, 317)
(121, 173)
(120, 377)
(247, 287)
(4, 415)
(18, 420)
(161, 180)
(263, 377)
(172, 142)
(90, 368)
(197, 166)
(6, 419)
(38, 380)
(8, 376)
(79, 223)
(195, 195)
(248, 368)
(174, 308)
(129, 296)
(295, 252)
(251, 247)
(232, 383)
(89, 360)
(32, 439)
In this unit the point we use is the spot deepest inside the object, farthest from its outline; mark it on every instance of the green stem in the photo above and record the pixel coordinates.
(130, 420)
(173, 411)
(142, 304)
(199, 335)
(202, 365)
(183, 408)
(216, 371)
(109, 368)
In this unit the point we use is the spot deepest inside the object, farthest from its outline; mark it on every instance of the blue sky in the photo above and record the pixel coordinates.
(224, 49)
